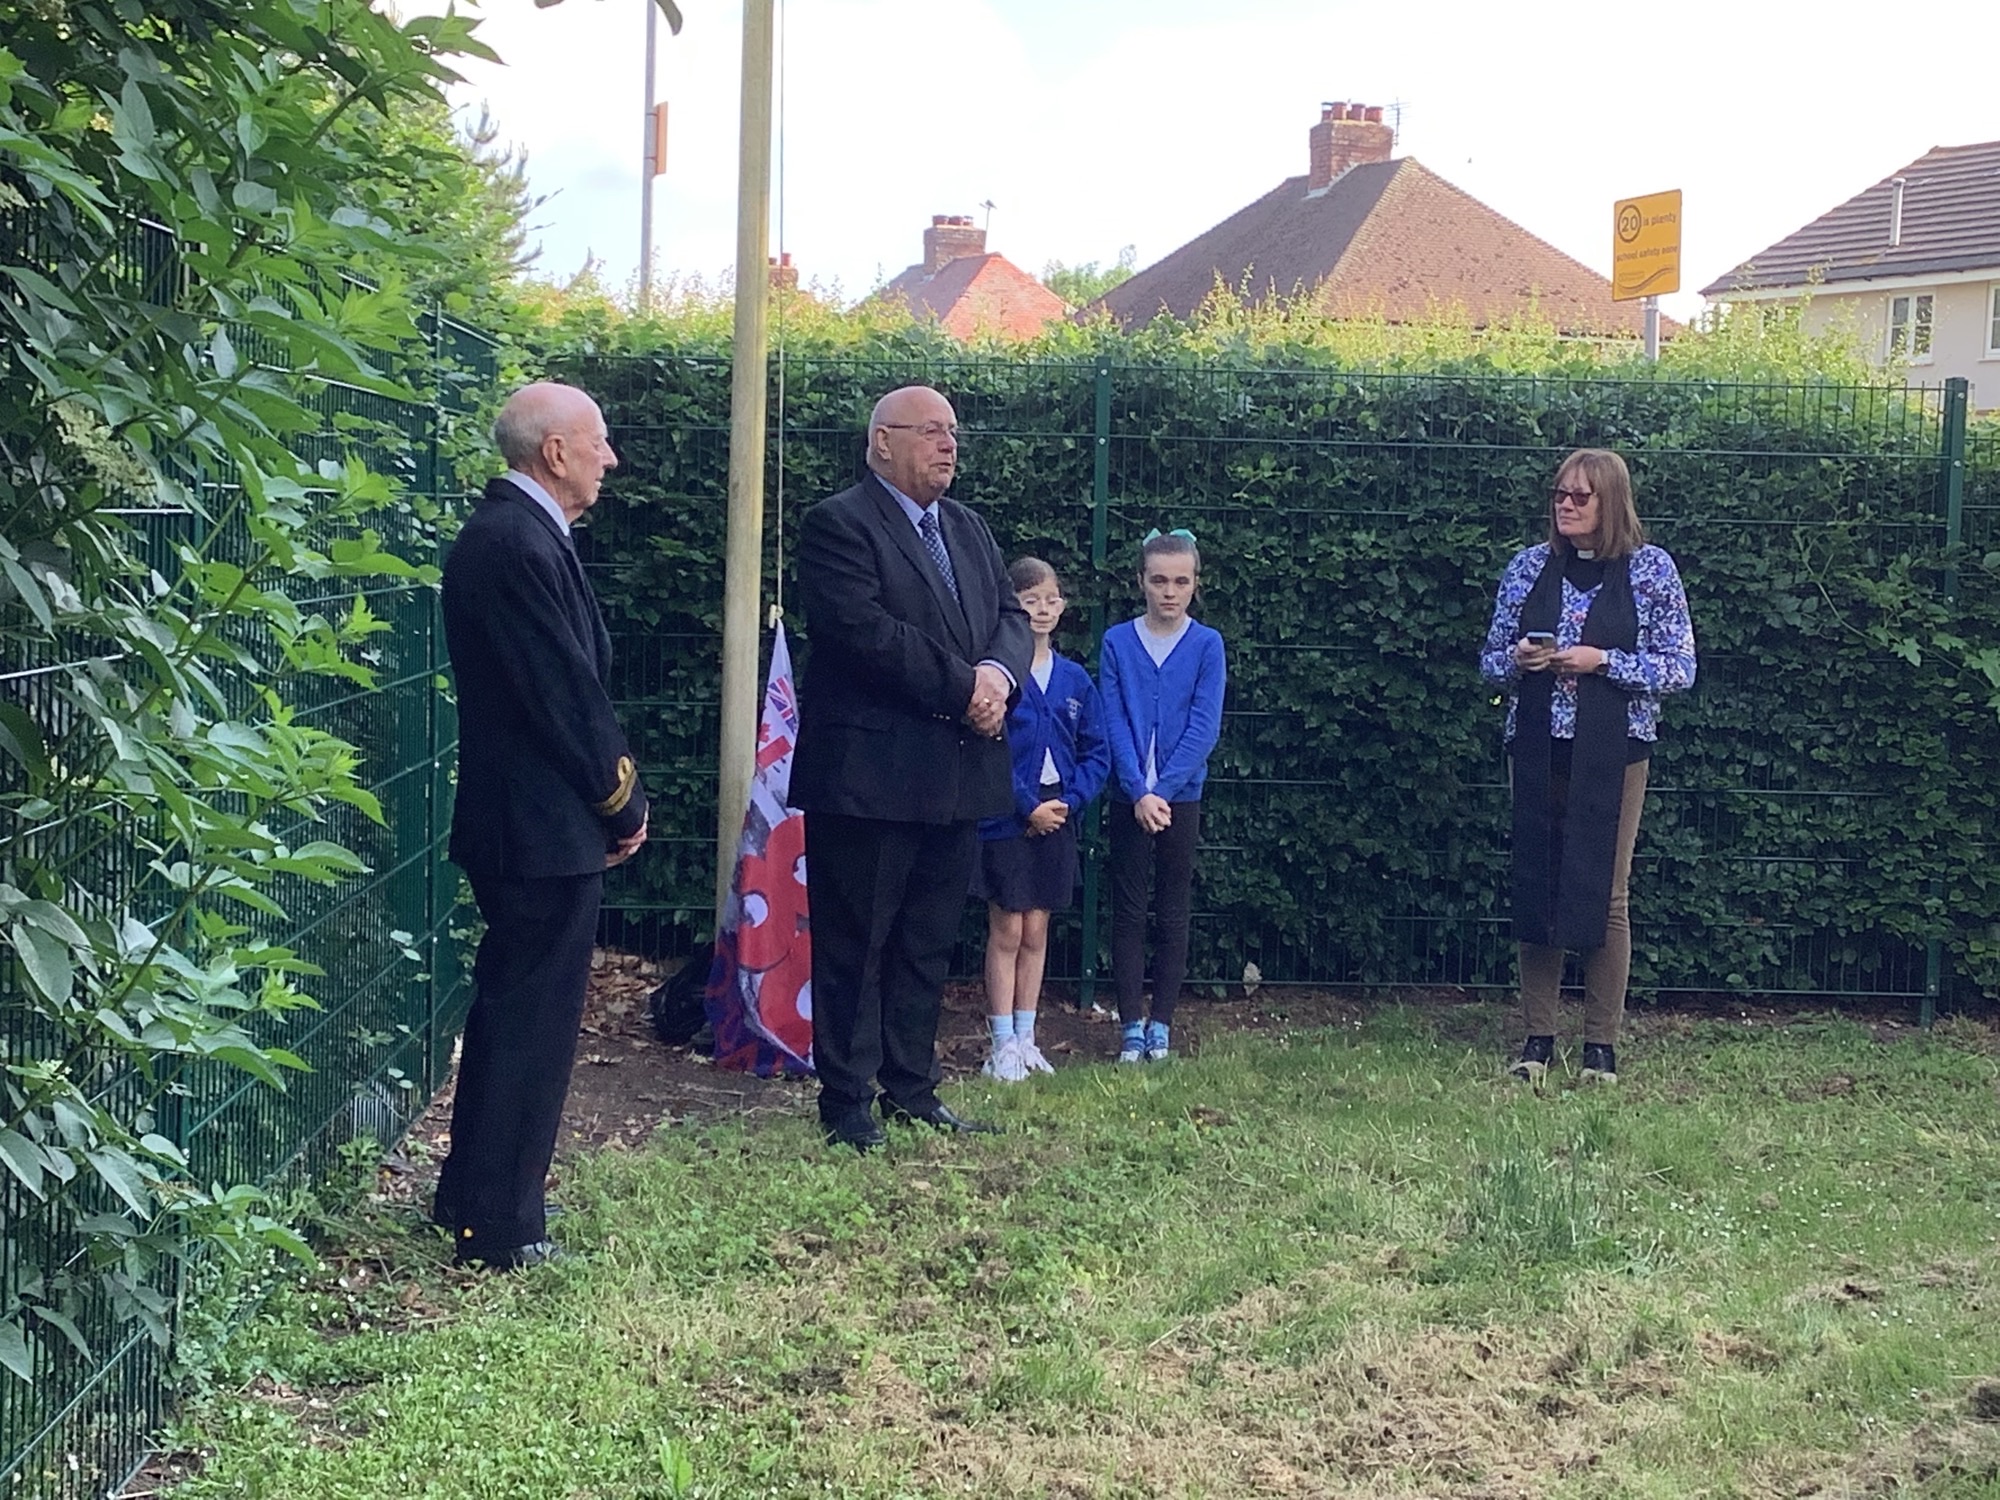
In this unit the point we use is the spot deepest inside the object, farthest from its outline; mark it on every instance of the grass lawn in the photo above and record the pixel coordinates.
(1332, 1262)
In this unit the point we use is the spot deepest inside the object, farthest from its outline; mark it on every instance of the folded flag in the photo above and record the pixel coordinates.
(759, 997)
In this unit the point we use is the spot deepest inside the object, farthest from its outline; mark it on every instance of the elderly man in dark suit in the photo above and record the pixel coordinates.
(918, 647)
(548, 800)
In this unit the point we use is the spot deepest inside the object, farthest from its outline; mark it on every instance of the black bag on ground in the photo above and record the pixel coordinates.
(675, 1008)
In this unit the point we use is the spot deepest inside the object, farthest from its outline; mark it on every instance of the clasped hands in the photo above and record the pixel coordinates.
(1047, 817)
(1153, 813)
(987, 712)
(1576, 661)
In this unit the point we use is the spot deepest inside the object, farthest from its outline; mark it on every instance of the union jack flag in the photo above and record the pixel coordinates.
(759, 996)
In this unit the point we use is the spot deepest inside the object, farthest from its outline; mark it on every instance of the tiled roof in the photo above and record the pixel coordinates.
(978, 294)
(1951, 222)
(1387, 239)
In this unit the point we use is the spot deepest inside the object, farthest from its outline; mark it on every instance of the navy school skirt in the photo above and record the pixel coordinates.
(1030, 874)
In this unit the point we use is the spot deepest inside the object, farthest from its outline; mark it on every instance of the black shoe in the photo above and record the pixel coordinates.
(938, 1117)
(1600, 1063)
(1536, 1055)
(517, 1258)
(856, 1128)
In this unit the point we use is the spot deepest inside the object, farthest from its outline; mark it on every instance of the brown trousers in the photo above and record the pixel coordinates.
(1606, 970)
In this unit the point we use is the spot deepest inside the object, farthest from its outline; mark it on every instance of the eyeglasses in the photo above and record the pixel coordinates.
(930, 432)
(1576, 498)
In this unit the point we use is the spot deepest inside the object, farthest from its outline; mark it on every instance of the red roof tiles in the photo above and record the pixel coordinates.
(1388, 239)
(978, 294)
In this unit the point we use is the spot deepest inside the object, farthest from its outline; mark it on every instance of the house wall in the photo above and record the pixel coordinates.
(1960, 328)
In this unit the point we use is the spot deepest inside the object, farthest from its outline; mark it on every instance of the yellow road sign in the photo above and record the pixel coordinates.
(1646, 246)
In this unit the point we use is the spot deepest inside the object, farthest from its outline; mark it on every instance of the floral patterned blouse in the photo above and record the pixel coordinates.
(1663, 662)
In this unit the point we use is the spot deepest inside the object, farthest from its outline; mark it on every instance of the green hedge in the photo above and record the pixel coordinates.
(1821, 803)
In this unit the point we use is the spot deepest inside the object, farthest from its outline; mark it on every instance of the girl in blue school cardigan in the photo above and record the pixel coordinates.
(1027, 859)
(1162, 676)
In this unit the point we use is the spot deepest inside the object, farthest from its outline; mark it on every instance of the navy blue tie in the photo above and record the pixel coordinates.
(934, 542)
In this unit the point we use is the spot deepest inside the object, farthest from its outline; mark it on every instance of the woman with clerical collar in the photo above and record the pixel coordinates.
(1590, 630)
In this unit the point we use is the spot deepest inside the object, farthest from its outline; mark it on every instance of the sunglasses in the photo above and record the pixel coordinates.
(1577, 498)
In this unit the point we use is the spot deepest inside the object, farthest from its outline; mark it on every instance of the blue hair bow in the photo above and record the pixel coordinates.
(1179, 531)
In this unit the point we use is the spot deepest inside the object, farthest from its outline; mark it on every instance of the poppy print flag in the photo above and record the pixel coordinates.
(759, 997)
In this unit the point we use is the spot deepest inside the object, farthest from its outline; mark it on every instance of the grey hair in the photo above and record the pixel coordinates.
(530, 416)
(518, 434)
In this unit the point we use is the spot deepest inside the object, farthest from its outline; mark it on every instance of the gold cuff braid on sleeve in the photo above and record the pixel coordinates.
(628, 780)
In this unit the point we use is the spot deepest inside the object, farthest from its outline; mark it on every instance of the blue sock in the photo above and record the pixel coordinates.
(1156, 1036)
(1024, 1026)
(1002, 1029)
(1135, 1036)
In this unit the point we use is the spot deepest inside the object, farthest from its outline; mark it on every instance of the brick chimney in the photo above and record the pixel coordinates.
(949, 237)
(1347, 135)
(784, 275)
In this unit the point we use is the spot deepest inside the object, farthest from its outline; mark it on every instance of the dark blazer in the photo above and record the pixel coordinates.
(893, 657)
(546, 783)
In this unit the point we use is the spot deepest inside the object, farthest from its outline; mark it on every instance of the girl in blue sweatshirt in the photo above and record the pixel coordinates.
(1027, 859)
(1163, 677)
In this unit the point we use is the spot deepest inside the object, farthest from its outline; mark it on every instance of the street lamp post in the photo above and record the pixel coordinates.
(651, 169)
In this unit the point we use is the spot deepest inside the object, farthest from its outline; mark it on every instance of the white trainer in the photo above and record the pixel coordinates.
(1004, 1063)
(1031, 1057)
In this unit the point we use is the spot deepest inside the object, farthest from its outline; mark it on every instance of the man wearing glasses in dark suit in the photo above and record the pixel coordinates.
(918, 646)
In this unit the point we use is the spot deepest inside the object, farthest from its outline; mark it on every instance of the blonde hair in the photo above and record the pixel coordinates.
(1620, 532)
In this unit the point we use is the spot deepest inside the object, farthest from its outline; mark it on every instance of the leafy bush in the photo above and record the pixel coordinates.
(1821, 804)
(207, 540)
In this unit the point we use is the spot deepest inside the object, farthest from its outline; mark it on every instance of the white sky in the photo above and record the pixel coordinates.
(1094, 124)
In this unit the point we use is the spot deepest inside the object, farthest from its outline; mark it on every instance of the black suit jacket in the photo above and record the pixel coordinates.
(892, 664)
(546, 783)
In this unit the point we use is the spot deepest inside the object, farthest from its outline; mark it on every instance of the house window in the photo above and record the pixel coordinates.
(1910, 327)
(1993, 321)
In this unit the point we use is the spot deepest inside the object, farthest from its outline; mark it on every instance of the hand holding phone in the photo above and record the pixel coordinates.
(1536, 651)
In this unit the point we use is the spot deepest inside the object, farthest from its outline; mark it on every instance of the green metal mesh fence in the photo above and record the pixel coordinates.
(380, 1044)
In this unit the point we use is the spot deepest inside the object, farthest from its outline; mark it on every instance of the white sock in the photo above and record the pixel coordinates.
(1024, 1026)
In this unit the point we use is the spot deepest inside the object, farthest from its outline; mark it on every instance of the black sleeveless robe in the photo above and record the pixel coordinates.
(1563, 899)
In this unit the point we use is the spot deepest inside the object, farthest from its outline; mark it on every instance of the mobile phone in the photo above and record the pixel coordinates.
(1540, 638)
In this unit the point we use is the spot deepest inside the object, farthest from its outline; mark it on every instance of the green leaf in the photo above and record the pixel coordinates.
(135, 115)
(222, 353)
(30, 592)
(42, 289)
(283, 1237)
(62, 1323)
(16, 1352)
(23, 1158)
(163, 1148)
(21, 739)
(250, 1060)
(254, 198)
(46, 959)
(122, 1174)
(53, 920)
